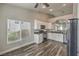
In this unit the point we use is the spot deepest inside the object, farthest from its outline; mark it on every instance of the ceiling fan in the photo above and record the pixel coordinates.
(45, 4)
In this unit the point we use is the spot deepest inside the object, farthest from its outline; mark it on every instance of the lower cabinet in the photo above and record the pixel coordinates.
(38, 38)
(55, 36)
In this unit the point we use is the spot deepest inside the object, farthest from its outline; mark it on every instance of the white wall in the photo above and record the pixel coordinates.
(0, 25)
(75, 9)
(37, 24)
(65, 17)
(12, 12)
(78, 27)
(29, 14)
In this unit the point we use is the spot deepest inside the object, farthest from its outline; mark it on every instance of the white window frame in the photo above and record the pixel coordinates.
(9, 42)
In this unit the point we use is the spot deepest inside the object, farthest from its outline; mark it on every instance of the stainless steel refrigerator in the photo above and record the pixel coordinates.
(72, 37)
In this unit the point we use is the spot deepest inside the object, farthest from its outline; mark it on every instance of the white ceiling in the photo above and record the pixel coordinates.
(58, 8)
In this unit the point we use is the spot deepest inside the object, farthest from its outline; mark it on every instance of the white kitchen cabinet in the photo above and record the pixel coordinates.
(49, 35)
(38, 23)
(38, 38)
(55, 36)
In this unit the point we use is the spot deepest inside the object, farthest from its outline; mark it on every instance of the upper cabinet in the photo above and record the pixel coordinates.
(38, 24)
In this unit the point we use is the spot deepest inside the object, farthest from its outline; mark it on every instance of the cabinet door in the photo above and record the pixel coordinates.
(55, 36)
(40, 38)
(60, 37)
(49, 36)
(36, 38)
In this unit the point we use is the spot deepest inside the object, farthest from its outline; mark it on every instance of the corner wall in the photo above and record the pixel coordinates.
(12, 12)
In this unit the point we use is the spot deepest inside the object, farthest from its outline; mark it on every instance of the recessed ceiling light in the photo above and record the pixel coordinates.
(43, 6)
(64, 5)
(50, 9)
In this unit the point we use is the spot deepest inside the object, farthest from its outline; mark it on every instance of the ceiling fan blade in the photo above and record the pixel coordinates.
(46, 4)
(36, 5)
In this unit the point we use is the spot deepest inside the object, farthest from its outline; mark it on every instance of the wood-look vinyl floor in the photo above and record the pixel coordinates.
(47, 48)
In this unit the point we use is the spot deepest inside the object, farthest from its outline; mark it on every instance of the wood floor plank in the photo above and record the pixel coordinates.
(58, 53)
(47, 48)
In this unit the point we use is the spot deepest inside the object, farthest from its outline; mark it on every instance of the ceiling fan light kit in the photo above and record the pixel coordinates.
(44, 5)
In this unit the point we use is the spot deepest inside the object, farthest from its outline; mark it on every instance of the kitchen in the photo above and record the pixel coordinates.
(42, 28)
(54, 32)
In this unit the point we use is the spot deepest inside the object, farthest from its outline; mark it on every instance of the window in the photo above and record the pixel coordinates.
(17, 30)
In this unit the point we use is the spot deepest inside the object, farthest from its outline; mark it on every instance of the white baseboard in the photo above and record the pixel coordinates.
(3, 52)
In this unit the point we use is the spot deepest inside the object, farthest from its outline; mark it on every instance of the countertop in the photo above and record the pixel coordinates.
(49, 31)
